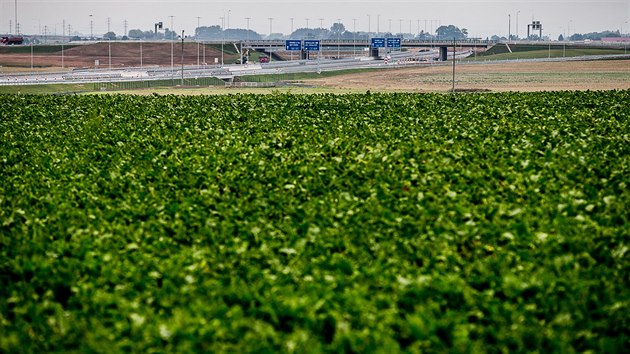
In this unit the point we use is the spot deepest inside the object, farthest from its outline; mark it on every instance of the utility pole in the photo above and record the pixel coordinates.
(17, 27)
(183, 57)
(354, 37)
(108, 24)
(517, 12)
(91, 28)
(509, 27)
(197, 39)
(454, 49)
(338, 40)
(172, 45)
(222, 18)
(270, 32)
(126, 25)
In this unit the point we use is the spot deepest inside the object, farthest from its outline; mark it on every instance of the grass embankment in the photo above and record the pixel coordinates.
(323, 223)
(500, 52)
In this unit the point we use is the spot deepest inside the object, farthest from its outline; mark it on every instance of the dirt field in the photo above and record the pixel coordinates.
(587, 75)
(122, 54)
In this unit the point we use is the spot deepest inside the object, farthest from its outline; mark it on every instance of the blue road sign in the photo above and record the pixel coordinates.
(378, 42)
(311, 45)
(293, 44)
(393, 42)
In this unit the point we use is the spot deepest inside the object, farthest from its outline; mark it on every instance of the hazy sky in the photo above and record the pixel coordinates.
(481, 18)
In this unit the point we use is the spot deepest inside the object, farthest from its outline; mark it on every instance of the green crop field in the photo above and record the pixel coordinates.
(315, 223)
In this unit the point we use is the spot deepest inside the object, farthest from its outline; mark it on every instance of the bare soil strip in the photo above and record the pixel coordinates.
(586, 75)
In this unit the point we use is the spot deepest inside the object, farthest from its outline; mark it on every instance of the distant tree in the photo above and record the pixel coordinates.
(209, 33)
(276, 36)
(109, 35)
(337, 29)
(136, 33)
(597, 36)
(450, 32)
(125, 38)
(168, 34)
(240, 34)
(561, 38)
(311, 33)
(425, 36)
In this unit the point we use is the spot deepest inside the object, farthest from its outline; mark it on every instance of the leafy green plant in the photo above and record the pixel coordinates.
(321, 223)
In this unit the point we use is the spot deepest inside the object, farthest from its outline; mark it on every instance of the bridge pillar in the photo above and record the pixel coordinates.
(304, 55)
(374, 52)
(443, 53)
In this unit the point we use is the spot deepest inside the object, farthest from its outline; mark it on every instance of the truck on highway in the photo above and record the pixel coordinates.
(8, 40)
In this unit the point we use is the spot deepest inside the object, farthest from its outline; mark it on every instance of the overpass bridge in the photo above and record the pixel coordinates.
(274, 46)
(406, 43)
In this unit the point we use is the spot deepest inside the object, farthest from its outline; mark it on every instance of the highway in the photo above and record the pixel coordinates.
(229, 72)
(224, 72)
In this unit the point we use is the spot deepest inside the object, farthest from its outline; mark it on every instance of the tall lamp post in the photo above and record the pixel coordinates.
(338, 40)
(172, 47)
(509, 27)
(17, 27)
(183, 57)
(222, 18)
(197, 39)
(517, 12)
(270, 32)
(354, 37)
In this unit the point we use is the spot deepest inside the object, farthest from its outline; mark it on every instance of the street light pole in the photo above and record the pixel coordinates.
(182, 58)
(369, 24)
(197, 39)
(17, 31)
(354, 37)
(270, 32)
(222, 36)
(509, 27)
(172, 47)
(338, 40)
(517, 12)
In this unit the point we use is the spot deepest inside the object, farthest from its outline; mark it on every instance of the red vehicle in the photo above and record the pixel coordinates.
(263, 59)
(11, 40)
